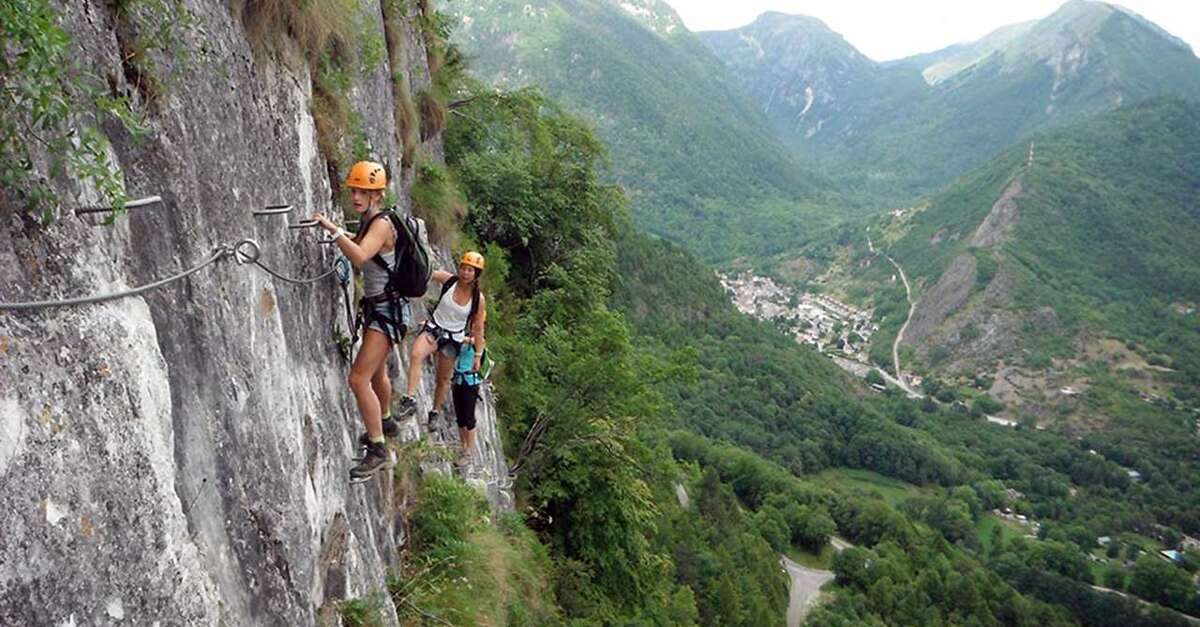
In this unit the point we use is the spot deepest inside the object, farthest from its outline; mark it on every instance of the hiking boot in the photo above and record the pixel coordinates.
(391, 430)
(376, 459)
(434, 415)
(406, 407)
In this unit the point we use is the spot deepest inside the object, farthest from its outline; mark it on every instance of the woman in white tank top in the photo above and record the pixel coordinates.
(457, 318)
(451, 316)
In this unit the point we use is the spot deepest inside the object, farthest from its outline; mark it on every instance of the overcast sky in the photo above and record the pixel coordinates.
(890, 29)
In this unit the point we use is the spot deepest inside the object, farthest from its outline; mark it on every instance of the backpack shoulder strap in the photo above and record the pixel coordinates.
(365, 226)
(447, 286)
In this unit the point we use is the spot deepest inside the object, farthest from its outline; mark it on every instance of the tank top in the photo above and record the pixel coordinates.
(451, 316)
(375, 278)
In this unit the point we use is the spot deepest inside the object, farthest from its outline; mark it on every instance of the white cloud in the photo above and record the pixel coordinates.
(887, 29)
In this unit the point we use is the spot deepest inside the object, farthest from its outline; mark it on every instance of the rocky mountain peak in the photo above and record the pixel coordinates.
(656, 15)
(1079, 29)
(792, 40)
(803, 73)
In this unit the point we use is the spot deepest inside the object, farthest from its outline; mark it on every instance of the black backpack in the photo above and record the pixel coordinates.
(410, 272)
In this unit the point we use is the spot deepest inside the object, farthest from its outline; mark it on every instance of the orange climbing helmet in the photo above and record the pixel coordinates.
(473, 259)
(367, 175)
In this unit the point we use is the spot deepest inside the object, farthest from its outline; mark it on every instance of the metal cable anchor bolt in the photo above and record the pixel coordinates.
(246, 251)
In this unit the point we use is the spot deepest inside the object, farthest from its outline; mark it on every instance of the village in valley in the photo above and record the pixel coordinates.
(831, 326)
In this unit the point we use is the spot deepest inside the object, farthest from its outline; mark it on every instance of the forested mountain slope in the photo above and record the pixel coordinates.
(744, 382)
(1062, 292)
(1095, 233)
(908, 126)
(814, 86)
(700, 163)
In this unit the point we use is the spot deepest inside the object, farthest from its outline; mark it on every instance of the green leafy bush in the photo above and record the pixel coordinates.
(50, 105)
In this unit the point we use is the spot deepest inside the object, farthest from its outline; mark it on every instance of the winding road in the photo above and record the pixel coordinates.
(806, 584)
(912, 307)
(805, 588)
(1191, 619)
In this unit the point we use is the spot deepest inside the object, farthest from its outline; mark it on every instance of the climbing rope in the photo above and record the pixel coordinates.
(244, 252)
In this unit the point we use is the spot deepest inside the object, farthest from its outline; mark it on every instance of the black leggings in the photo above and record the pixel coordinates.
(464, 404)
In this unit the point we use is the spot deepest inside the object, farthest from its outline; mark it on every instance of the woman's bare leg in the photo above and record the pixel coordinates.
(468, 439)
(371, 357)
(422, 347)
(381, 384)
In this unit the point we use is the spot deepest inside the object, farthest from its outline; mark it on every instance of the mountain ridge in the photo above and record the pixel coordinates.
(697, 157)
(1030, 264)
(905, 127)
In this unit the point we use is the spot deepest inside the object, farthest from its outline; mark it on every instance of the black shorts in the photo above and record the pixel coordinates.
(465, 397)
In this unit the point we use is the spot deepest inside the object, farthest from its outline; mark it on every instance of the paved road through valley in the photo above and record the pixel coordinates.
(912, 306)
(805, 588)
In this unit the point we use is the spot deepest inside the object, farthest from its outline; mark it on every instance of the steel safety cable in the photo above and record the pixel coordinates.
(218, 254)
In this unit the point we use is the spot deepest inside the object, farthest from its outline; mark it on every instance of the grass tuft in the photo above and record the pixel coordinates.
(433, 114)
(318, 28)
(405, 112)
(464, 569)
(439, 201)
(362, 612)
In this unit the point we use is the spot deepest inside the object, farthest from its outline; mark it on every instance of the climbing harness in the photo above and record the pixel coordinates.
(391, 312)
(244, 252)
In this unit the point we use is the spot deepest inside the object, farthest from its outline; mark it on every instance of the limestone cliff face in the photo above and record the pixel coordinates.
(180, 458)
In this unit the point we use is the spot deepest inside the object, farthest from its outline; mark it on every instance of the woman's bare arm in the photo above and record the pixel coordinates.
(359, 253)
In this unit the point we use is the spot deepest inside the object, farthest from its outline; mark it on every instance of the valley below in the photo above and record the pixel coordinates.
(837, 330)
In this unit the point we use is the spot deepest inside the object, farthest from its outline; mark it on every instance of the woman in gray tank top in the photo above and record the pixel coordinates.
(384, 317)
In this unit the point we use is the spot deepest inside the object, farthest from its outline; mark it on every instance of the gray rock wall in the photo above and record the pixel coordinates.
(180, 457)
